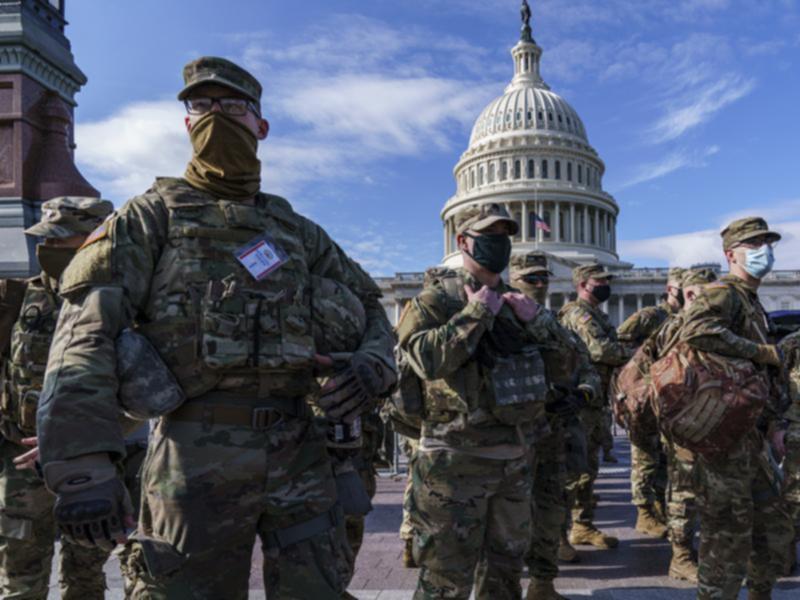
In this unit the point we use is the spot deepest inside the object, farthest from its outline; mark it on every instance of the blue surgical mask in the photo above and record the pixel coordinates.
(759, 261)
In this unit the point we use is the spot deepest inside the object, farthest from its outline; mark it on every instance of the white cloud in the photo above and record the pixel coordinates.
(674, 161)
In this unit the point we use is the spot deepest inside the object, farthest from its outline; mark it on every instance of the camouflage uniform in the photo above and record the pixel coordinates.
(606, 352)
(741, 513)
(549, 508)
(790, 347)
(648, 462)
(27, 527)
(243, 457)
(471, 493)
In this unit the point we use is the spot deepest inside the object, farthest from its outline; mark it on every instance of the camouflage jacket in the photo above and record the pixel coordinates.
(790, 346)
(640, 325)
(171, 262)
(23, 373)
(443, 339)
(728, 319)
(596, 331)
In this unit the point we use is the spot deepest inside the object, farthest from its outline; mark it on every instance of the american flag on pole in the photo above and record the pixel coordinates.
(540, 223)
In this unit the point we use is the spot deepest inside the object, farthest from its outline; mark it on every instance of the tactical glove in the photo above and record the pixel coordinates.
(769, 354)
(346, 393)
(91, 502)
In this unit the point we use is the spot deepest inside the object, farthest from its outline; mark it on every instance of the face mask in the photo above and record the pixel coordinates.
(491, 251)
(539, 294)
(680, 298)
(759, 261)
(601, 292)
(54, 260)
(224, 162)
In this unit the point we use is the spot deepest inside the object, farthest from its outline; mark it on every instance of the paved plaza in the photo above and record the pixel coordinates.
(636, 570)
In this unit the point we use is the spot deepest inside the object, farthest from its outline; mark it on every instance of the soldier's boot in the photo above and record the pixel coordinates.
(595, 500)
(543, 589)
(682, 566)
(752, 595)
(608, 457)
(791, 559)
(408, 555)
(566, 553)
(586, 534)
(648, 524)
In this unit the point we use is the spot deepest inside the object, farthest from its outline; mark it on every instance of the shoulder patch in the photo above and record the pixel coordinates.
(100, 232)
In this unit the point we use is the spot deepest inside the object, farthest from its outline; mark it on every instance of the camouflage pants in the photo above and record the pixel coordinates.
(581, 488)
(791, 472)
(27, 538)
(209, 490)
(354, 524)
(648, 472)
(741, 519)
(410, 446)
(471, 518)
(549, 509)
(605, 433)
(681, 497)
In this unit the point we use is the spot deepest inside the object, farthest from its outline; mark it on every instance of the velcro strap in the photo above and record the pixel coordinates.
(288, 536)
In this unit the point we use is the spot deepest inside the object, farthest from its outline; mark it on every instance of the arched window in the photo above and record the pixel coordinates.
(569, 171)
(545, 175)
(480, 175)
(472, 179)
(546, 218)
(491, 172)
(517, 169)
(558, 169)
(540, 114)
(518, 219)
(580, 173)
(530, 169)
(503, 171)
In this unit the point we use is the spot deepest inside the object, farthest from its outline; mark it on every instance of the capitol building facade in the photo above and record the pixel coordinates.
(529, 151)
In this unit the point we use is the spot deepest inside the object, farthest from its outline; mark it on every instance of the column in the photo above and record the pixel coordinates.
(596, 226)
(547, 302)
(540, 214)
(639, 302)
(525, 225)
(397, 311)
(585, 212)
(557, 221)
(446, 237)
(621, 308)
(572, 235)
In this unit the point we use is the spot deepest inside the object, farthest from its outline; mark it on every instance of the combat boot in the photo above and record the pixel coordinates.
(542, 589)
(408, 555)
(566, 553)
(608, 457)
(751, 595)
(682, 566)
(648, 524)
(586, 534)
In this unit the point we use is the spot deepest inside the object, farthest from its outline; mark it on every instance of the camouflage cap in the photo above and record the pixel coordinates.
(212, 69)
(587, 272)
(338, 319)
(70, 215)
(528, 264)
(698, 277)
(481, 216)
(675, 275)
(742, 230)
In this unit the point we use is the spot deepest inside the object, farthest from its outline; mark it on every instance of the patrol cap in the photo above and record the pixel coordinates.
(70, 215)
(675, 275)
(529, 264)
(698, 277)
(587, 272)
(745, 229)
(481, 216)
(220, 71)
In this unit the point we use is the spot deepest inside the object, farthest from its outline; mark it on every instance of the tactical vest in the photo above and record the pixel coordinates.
(23, 372)
(517, 386)
(214, 323)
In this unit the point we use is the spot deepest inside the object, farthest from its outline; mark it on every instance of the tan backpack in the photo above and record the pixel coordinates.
(706, 402)
(632, 398)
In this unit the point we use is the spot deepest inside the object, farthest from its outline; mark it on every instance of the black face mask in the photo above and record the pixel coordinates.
(680, 298)
(601, 292)
(492, 251)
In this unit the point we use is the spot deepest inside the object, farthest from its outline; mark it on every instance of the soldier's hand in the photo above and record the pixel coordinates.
(345, 394)
(778, 440)
(525, 308)
(28, 460)
(769, 354)
(486, 296)
(92, 506)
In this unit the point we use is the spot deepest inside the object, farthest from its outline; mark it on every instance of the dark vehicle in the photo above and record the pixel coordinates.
(787, 321)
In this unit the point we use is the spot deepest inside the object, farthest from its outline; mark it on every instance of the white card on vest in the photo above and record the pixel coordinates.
(261, 256)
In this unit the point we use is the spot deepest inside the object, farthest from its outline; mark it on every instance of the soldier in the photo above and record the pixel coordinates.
(584, 317)
(27, 528)
(741, 516)
(472, 340)
(790, 346)
(568, 393)
(217, 275)
(648, 463)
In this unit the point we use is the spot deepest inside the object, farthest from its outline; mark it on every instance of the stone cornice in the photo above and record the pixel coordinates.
(19, 59)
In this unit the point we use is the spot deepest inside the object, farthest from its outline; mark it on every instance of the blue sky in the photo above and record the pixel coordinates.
(692, 104)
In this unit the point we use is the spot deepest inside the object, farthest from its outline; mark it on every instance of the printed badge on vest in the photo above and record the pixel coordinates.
(261, 256)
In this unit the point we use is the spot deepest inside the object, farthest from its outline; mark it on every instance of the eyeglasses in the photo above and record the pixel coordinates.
(536, 279)
(235, 107)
